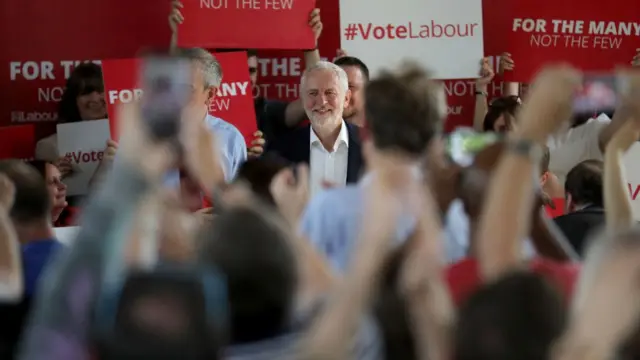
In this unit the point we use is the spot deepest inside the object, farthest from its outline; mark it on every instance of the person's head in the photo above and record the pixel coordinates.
(358, 76)
(57, 189)
(206, 75)
(32, 205)
(501, 115)
(253, 253)
(404, 111)
(583, 185)
(258, 173)
(325, 93)
(83, 97)
(519, 316)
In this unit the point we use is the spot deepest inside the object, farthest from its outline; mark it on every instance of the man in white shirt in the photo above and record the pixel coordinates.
(329, 145)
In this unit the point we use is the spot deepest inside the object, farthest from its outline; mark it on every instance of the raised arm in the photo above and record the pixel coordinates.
(62, 312)
(11, 281)
(617, 204)
(424, 286)
(506, 215)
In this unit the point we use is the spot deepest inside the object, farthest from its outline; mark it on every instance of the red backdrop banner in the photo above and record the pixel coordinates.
(247, 24)
(593, 36)
(44, 53)
(233, 103)
(17, 142)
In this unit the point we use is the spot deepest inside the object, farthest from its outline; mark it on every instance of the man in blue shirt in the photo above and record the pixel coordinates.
(31, 218)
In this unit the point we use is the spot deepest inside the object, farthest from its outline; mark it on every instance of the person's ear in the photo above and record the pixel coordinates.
(347, 97)
(212, 91)
(544, 178)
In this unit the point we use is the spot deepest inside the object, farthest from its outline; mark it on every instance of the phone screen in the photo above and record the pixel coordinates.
(463, 144)
(166, 91)
(598, 93)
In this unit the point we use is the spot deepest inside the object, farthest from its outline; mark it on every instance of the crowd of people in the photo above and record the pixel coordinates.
(364, 233)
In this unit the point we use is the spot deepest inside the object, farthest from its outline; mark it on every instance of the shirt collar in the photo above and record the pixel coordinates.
(343, 137)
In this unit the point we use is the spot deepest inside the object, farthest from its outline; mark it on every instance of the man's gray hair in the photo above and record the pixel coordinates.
(325, 65)
(208, 64)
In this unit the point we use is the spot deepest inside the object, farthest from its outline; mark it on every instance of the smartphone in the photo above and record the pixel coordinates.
(166, 91)
(463, 144)
(598, 94)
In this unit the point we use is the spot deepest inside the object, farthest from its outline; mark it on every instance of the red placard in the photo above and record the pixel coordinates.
(557, 209)
(17, 142)
(255, 24)
(593, 36)
(233, 103)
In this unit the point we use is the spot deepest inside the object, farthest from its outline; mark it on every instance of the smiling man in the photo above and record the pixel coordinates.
(329, 145)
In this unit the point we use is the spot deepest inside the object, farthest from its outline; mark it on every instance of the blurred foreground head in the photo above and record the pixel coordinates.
(404, 109)
(519, 316)
(254, 255)
(32, 205)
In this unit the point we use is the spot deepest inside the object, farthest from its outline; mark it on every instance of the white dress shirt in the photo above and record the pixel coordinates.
(328, 166)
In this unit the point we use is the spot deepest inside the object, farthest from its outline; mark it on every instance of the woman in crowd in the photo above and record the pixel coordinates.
(57, 189)
(83, 100)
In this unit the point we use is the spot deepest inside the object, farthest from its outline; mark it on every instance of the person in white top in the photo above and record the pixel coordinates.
(583, 141)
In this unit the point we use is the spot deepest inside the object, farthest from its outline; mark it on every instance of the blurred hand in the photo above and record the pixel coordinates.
(486, 74)
(316, 24)
(626, 136)
(506, 63)
(636, 59)
(257, 145)
(7, 192)
(291, 192)
(64, 166)
(138, 148)
(340, 53)
(110, 151)
(201, 152)
(175, 16)
(549, 103)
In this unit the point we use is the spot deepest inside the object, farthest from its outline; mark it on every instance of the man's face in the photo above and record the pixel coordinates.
(323, 98)
(357, 81)
(199, 93)
(253, 70)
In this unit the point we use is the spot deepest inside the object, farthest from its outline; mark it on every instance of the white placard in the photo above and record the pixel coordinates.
(631, 161)
(84, 143)
(66, 235)
(443, 35)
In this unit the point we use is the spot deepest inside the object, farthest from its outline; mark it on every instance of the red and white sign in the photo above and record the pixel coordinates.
(247, 24)
(632, 171)
(17, 142)
(233, 103)
(434, 33)
(592, 35)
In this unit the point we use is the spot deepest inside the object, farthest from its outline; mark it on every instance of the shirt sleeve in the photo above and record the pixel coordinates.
(239, 153)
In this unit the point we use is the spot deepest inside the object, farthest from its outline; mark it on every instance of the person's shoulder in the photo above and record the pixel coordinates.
(563, 274)
(219, 124)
